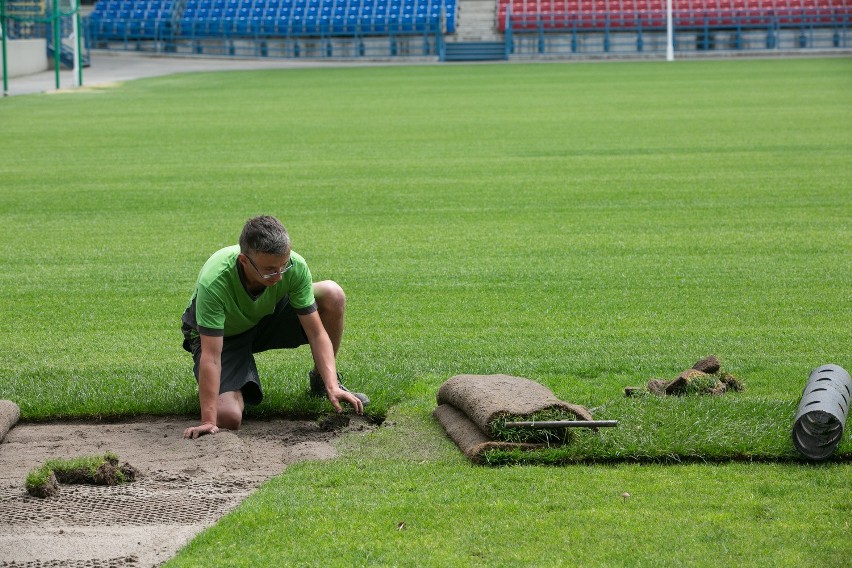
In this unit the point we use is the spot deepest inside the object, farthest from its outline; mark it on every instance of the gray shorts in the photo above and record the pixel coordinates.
(279, 330)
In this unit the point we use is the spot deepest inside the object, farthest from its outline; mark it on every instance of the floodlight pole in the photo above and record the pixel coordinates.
(669, 32)
(3, 41)
(78, 68)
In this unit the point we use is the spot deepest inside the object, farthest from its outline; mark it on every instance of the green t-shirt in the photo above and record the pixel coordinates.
(221, 305)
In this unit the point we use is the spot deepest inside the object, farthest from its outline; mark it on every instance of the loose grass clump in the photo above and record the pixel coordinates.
(703, 378)
(693, 382)
(96, 470)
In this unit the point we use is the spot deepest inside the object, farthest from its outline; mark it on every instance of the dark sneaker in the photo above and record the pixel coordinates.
(318, 387)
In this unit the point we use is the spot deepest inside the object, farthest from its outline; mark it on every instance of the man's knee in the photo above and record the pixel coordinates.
(229, 414)
(229, 419)
(329, 295)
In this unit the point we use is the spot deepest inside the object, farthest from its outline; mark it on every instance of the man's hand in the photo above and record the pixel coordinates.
(196, 431)
(337, 396)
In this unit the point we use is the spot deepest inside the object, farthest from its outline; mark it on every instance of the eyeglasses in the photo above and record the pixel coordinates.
(287, 267)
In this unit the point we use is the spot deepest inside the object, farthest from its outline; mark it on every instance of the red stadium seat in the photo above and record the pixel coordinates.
(631, 14)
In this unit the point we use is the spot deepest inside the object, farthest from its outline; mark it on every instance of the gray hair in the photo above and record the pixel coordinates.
(264, 234)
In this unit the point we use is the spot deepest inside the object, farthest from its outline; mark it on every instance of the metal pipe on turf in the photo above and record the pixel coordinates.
(555, 424)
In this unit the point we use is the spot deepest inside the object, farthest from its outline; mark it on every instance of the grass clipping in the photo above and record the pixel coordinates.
(95, 470)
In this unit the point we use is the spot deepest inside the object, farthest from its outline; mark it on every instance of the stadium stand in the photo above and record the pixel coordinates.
(137, 19)
(590, 15)
(387, 28)
(154, 19)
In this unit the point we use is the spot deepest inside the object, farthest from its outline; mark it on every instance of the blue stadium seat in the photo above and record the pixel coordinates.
(149, 19)
(131, 19)
(241, 25)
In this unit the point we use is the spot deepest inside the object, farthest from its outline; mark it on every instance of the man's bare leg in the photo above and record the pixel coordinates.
(229, 410)
(331, 304)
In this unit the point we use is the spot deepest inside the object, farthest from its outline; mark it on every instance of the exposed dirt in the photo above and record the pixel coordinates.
(182, 487)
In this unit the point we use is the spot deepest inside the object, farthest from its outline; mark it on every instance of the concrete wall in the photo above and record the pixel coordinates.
(25, 57)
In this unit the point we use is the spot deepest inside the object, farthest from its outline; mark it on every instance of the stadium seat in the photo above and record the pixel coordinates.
(130, 20)
(147, 19)
(556, 15)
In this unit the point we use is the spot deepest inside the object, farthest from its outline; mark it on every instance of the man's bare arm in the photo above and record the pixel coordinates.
(209, 375)
(323, 354)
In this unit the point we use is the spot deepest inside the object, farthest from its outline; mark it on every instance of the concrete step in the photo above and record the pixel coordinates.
(476, 21)
(475, 51)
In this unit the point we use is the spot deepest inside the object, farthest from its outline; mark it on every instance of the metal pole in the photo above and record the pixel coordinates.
(669, 32)
(442, 29)
(57, 38)
(3, 27)
(508, 35)
(78, 75)
(556, 424)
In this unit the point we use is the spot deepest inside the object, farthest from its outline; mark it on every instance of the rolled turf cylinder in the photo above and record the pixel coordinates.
(821, 417)
(9, 415)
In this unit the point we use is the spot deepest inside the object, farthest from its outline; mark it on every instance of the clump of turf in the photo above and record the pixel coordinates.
(732, 382)
(499, 430)
(42, 483)
(703, 378)
(96, 470)
(709, 365)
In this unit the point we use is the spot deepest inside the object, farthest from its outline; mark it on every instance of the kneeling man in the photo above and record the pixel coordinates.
(251, 297)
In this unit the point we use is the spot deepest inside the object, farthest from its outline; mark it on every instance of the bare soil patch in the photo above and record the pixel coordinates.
(182, 487)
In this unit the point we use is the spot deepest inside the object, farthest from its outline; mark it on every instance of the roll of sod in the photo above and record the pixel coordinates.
(821, 417)
(9, 414)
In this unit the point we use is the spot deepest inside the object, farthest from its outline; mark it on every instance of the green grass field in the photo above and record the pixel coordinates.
(588, 226)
